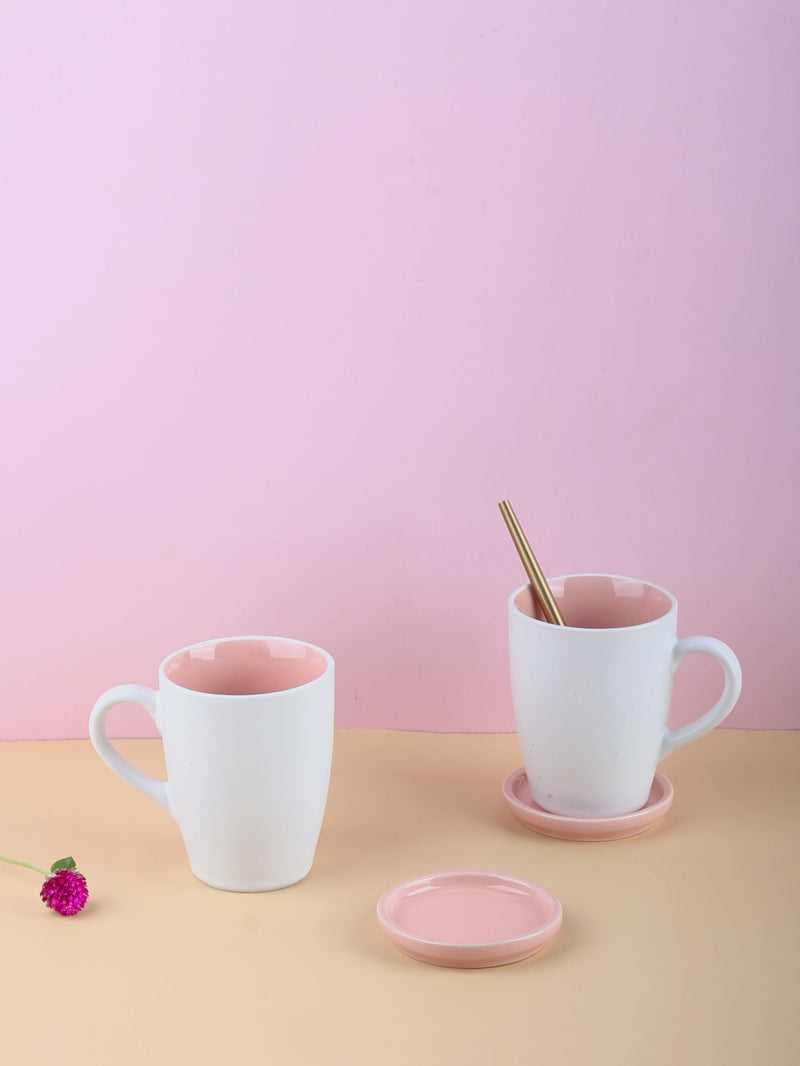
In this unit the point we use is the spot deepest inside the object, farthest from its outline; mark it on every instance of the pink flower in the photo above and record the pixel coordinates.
(66, 891)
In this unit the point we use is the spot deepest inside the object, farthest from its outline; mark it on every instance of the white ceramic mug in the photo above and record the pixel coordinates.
(591, 698)
(247, 729)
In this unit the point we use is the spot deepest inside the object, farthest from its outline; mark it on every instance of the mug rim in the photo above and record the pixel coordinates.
(163, 679)
(594, 629)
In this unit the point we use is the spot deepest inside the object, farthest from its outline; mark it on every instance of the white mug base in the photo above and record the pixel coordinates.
(271, 886)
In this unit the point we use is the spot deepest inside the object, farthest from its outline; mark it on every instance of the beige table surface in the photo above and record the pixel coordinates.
(679, 946)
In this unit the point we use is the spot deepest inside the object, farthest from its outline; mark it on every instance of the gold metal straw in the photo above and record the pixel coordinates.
(532, 569)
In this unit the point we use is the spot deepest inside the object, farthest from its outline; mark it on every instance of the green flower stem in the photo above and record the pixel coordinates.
(27, 865)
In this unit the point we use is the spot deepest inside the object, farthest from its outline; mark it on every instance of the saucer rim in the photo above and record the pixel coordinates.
(534, 939)
(650, 812)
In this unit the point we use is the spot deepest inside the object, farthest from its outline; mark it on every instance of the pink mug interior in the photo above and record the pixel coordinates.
(599, 601)
(246, 667)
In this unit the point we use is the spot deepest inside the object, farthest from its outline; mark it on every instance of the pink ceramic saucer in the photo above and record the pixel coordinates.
(517, 795)
(469, 918)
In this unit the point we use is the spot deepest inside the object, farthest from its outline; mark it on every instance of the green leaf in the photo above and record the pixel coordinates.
(63, 864)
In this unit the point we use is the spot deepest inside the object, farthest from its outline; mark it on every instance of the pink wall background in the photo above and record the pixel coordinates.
(292, 295)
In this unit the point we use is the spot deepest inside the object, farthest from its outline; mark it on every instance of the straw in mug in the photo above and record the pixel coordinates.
(537, 579)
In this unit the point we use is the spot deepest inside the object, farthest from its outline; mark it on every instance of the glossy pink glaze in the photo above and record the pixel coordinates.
(469, 918)
(598, 601)
(517, 794)
(246, 667)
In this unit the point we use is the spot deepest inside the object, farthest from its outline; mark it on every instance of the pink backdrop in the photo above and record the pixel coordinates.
(293, 294)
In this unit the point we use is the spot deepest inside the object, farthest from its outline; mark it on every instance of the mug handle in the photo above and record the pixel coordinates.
(145, 697)
(676, 738)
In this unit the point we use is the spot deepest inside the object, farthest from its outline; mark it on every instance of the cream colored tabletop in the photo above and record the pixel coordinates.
(679, 946)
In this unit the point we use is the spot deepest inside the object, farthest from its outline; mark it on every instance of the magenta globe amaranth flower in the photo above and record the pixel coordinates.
(65, 890)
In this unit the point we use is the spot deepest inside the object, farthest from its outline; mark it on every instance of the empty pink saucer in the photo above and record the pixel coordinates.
(517, 795)
(469, 918)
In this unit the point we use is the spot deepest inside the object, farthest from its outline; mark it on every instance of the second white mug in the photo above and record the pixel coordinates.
(592, 698)
(247, 728)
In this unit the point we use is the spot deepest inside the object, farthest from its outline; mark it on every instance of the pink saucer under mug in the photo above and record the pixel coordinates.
(469, 918)
(517, 794)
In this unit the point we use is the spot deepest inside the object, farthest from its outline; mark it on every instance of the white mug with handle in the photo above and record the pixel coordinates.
(247, 729)
(592, 697)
